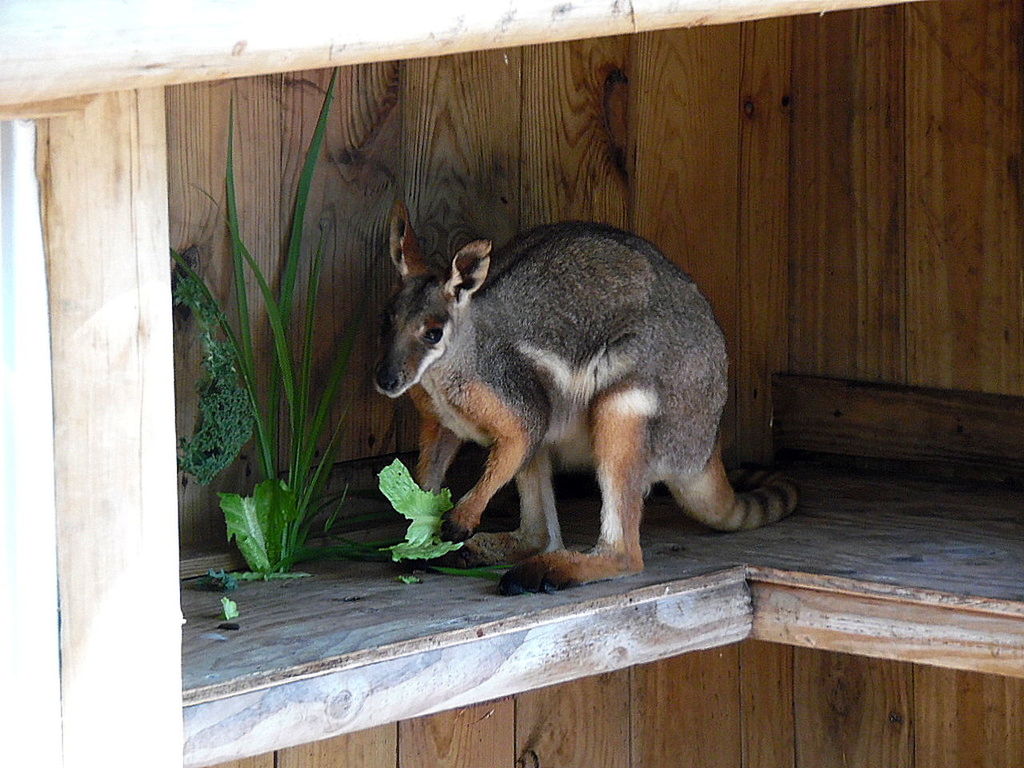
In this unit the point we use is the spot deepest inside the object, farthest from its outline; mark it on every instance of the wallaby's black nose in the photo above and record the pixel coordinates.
(386, 380)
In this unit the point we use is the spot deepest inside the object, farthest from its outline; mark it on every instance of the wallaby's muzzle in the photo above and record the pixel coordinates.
(388, 380)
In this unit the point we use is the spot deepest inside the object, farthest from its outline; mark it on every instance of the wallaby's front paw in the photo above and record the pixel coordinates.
(452, 530)
(460, 522)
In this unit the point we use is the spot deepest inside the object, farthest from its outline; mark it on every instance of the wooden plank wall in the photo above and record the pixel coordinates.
(906, 262)
(752, 705)
(682, 136)
(847, 189)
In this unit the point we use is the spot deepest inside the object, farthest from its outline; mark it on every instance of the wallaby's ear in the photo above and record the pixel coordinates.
(469, 270)
(403, 245)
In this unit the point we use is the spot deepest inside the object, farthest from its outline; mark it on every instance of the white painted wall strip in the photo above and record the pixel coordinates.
(29, 639)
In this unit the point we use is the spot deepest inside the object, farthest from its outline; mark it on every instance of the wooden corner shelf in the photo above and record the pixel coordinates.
(926, 571)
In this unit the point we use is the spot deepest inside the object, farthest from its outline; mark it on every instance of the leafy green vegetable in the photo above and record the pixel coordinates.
(259, 524)
(229, 608)
(427, 550)
(408, 579)
(423, 508)
(225, 411)
(219, 581)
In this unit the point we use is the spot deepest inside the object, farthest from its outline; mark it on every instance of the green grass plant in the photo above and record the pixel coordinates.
(290, 416)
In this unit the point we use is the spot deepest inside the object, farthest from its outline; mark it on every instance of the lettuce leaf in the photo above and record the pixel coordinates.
(259, 523)
(229, 608)
(424, 509)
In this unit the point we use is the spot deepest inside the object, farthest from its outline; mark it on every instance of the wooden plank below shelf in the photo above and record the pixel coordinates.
(889, 629)
(373, 748)
(580, 724)
(964, 720)
(966, 431)
(651, 624)
(58, 48)
(852, 711)
(476, 736)
(688, 707)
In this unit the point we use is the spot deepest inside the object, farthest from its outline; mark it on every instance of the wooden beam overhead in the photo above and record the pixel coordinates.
(54, 49)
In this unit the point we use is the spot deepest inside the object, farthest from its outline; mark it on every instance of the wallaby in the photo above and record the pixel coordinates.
(574, 345)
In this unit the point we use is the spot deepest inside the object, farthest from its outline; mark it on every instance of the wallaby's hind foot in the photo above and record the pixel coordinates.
(759, 497)
(493, 549)
(563, 568)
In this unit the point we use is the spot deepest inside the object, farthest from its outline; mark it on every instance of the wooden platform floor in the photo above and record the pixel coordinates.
(883, 566)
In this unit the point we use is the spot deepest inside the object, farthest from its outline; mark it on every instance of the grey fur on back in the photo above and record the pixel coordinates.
(612, 308)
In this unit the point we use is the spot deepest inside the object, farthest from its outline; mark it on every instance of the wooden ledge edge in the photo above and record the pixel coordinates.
(400, 687)
(839, 585)
(602, 635)
(716, 583)
(885, 627)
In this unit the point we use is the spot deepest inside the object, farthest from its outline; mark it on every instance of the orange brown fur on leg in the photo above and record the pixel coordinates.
(618, 423)
(438, 445)
(510, 446)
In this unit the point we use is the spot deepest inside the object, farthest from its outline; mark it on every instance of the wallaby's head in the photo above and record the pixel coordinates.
(425, 317)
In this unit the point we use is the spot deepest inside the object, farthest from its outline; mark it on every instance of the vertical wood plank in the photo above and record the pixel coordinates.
(372, 748)
(852, 711)
(357, 179)
(260, 761)
(197, 129)
(687, 710)
(197, 132)
(968, 720)
(965, 76)
(766, 699)
(481, 736)
(582, 724)
(574, 143)
(461, 145)
(761, 348)
(685, 191)
(103, 176)
(846, 196)
(460, 157)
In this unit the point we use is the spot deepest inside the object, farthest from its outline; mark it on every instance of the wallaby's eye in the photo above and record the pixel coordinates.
(432, 335)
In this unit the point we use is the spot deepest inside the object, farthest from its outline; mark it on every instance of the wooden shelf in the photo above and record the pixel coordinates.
(880, 565)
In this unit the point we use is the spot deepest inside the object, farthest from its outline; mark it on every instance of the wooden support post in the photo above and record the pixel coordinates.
(103, 177)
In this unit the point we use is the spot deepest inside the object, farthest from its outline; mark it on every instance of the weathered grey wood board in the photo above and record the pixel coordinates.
(505, 657)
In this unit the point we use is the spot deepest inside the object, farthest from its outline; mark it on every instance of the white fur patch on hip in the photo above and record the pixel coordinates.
(636, 401)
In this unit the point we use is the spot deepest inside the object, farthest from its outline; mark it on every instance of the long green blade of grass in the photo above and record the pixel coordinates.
(299, 469)
(301, 198)
(324, 407)
(299, 436)
(277, 329)
(267, 446)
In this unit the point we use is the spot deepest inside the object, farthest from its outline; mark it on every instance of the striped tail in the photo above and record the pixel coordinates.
(742, 500)
(762, 496)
